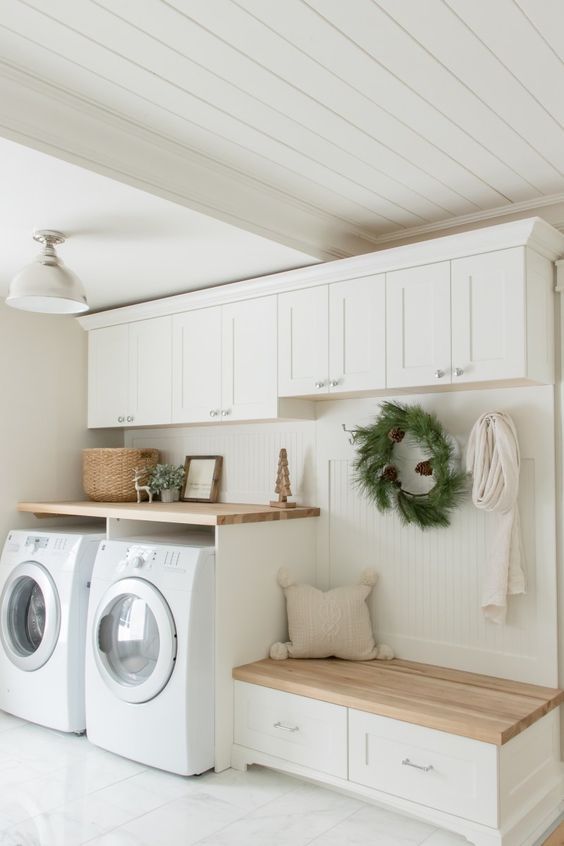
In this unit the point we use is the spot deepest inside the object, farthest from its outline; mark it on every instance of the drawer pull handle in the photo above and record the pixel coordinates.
(286, 728)
(407, 763)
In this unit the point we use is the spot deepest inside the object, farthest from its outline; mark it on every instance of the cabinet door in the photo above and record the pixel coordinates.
(196, 365)
(418, 326)
(357, 334)
(488, 316)
(249, 359)
(108, 350)
(303, 342)
(150, 372)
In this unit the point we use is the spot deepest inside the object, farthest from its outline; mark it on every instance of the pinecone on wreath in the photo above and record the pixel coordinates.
(396, 435)
(424, 468)
(390, 473)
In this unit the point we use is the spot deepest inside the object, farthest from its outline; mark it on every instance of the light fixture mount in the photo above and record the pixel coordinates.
(49, 237)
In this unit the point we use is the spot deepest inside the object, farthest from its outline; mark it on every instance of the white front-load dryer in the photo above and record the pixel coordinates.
(44, 586)
(150, 652)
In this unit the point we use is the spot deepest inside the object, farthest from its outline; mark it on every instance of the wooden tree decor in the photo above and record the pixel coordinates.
(282, 487)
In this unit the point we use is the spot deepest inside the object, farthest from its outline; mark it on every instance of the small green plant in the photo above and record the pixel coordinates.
(164, 476)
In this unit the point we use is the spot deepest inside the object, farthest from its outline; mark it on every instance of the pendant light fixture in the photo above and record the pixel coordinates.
(46, 285)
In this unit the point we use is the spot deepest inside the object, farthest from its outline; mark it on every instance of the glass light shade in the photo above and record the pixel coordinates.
(46, 285)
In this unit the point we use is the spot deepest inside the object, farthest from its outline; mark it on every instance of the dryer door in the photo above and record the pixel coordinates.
(30, 616)
(134, 640)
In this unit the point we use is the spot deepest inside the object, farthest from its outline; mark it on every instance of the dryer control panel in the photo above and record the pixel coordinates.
(143, 558)
(154, 562)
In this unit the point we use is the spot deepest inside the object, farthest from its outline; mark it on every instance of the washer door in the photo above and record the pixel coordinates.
(134, 640)
(30, 616)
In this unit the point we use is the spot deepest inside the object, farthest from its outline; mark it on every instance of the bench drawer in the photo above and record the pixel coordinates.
(295, 728)
(443, 771)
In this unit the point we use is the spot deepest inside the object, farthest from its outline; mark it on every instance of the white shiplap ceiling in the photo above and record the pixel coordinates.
(329, 126)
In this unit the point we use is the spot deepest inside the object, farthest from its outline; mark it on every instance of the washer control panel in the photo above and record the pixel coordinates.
(36, 541)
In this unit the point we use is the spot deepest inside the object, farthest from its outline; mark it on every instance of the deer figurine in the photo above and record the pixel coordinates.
(137, 475)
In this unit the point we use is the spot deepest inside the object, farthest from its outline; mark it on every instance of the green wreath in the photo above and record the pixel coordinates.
(378, 478)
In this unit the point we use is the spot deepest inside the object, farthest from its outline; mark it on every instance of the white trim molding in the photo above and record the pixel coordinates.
(533, 232)
(560, 276)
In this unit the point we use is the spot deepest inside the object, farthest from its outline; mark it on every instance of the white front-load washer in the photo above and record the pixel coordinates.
(150, 652)
(44, 586)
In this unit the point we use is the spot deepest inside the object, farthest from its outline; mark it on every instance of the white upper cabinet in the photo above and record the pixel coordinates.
(108, 368)
(150, 377)
(465, 310)
(488, 317)
(483, 318)
(418, 326)
(224, 362)
(303, 342)
(129, 374)
(196, 369)
(357, 334)
(332, 338)
(249, 359)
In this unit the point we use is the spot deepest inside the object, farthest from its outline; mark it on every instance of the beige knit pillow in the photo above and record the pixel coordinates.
(332, 623)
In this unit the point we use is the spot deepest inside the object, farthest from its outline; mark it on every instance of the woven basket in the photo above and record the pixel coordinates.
(107, 474)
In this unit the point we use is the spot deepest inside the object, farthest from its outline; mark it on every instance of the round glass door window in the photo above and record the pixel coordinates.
(26, 615)
(135, 640)
(29, 616)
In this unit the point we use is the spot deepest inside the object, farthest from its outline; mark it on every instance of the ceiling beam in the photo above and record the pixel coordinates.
(55, 121)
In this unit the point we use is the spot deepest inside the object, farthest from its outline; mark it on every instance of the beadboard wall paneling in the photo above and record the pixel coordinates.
(250, 455)
(427, 600)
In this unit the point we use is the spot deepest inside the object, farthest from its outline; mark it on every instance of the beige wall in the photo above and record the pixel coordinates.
(42, 412)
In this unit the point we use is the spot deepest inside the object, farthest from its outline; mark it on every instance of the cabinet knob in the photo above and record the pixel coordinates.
(320, 384)
(334, 383)
(213, 413)
(130, 419)
(121, 419)
(458, 371)
(439, 374)
(226, 412)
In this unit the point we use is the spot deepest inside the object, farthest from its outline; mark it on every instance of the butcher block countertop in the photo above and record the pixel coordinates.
(194, 513)
(481, 707)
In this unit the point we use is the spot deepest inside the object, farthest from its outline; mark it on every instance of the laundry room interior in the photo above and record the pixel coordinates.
(282, 352)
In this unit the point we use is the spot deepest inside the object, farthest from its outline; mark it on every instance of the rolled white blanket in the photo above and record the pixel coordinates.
(494, 460)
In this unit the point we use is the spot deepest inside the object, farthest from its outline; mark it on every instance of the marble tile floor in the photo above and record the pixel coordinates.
(59, 790)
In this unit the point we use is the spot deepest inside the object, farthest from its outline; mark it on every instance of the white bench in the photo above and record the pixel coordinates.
(474, 754)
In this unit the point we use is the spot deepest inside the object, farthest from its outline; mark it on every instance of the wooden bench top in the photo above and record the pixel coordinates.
(481, 707)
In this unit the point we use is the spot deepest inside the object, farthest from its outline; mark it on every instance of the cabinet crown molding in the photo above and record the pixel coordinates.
(533, 232)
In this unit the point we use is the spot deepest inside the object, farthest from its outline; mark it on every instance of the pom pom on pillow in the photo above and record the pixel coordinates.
(279, 651)
(334, 623)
